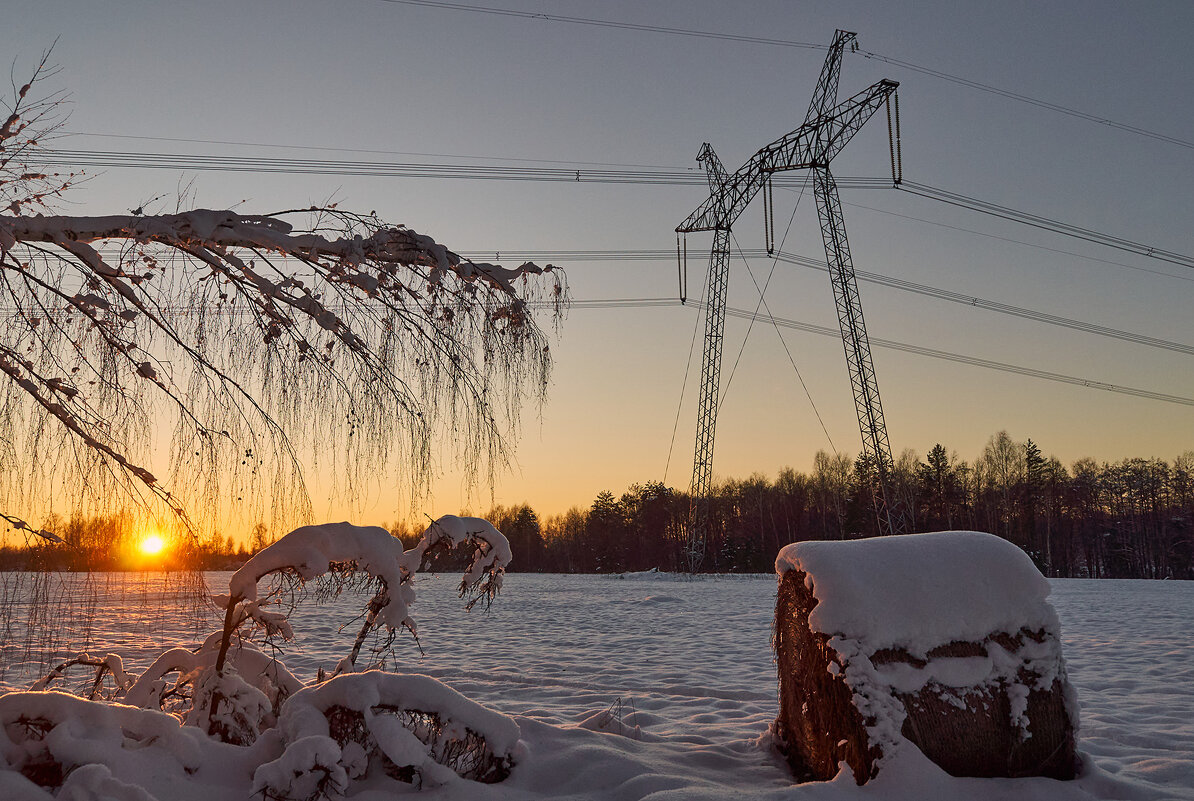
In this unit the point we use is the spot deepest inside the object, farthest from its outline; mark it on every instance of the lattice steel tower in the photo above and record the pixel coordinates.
(827, 127)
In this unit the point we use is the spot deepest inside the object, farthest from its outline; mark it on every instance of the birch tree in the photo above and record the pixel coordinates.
(204, 362)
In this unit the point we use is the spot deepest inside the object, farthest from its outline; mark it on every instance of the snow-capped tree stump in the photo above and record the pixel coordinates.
(945, 641)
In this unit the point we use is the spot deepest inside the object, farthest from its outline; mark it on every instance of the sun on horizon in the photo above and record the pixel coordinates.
(151, 545)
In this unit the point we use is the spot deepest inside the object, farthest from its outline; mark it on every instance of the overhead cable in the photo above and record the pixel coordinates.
(330, 149)
(660, 176)
(1032, 101)
(978, 362)
(973, 301)
(645, 302)
(758, 40)
(1034, 245)
(600, 23)
(1044, 223)
(995, 306)
(388, 169)
(918, 350)
(960, 298)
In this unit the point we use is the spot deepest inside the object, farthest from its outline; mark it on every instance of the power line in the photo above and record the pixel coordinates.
(744, 314)
(577, 173)
(972, 301)
(1084, 256)
(995, 306)
(934, 73)
(1044, 223)
(963, 299)
(600, 23)
(978, 362)
(918, 350)
(568, 174)
(1032, 101)
(327, 149)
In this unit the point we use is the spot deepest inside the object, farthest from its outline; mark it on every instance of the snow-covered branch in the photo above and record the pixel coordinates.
(312, 551)
(383, 250)
(255, 342)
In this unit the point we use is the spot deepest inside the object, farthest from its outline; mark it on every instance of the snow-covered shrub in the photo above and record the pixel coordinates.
(234, 712)
(111, 664)
(342, 550)
(308, 741)
(169, 684)
(411, 727)
(45, 736)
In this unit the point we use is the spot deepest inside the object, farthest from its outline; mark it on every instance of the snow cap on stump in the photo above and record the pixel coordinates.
(945, 640)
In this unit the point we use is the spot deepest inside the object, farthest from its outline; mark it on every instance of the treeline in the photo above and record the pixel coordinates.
(1129, 519)
(112, 542)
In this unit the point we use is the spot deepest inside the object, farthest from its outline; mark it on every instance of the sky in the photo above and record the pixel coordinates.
(310, 79)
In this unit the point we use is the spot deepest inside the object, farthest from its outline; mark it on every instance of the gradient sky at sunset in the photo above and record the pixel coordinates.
(475, 88)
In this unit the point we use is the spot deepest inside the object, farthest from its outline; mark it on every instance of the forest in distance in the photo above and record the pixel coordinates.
(1128, 519)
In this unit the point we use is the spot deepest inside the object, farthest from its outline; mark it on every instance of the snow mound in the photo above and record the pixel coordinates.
(611, 721)
(49, 736)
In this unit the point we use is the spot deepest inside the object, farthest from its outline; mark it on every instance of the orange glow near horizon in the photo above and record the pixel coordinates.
(152, 545)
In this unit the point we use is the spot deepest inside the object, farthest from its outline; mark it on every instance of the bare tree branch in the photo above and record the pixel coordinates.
(266, 345)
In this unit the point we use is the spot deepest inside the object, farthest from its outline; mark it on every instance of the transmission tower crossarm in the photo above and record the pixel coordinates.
(724, 205)
(812, 144)
(802, 150)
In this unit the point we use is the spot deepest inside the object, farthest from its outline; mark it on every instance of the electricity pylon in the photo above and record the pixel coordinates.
(827, 127)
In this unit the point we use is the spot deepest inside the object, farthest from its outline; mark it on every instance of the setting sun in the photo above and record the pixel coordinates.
(152, 545)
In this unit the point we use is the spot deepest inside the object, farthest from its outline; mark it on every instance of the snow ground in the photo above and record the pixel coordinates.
(657, 686)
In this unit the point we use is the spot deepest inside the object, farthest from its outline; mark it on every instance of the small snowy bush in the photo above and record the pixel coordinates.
(291, 741)
(412, 727)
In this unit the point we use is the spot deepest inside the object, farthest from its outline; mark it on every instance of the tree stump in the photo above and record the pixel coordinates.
(944, 641)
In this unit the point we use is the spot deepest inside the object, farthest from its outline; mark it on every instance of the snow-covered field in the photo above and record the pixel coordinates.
(658, 686)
